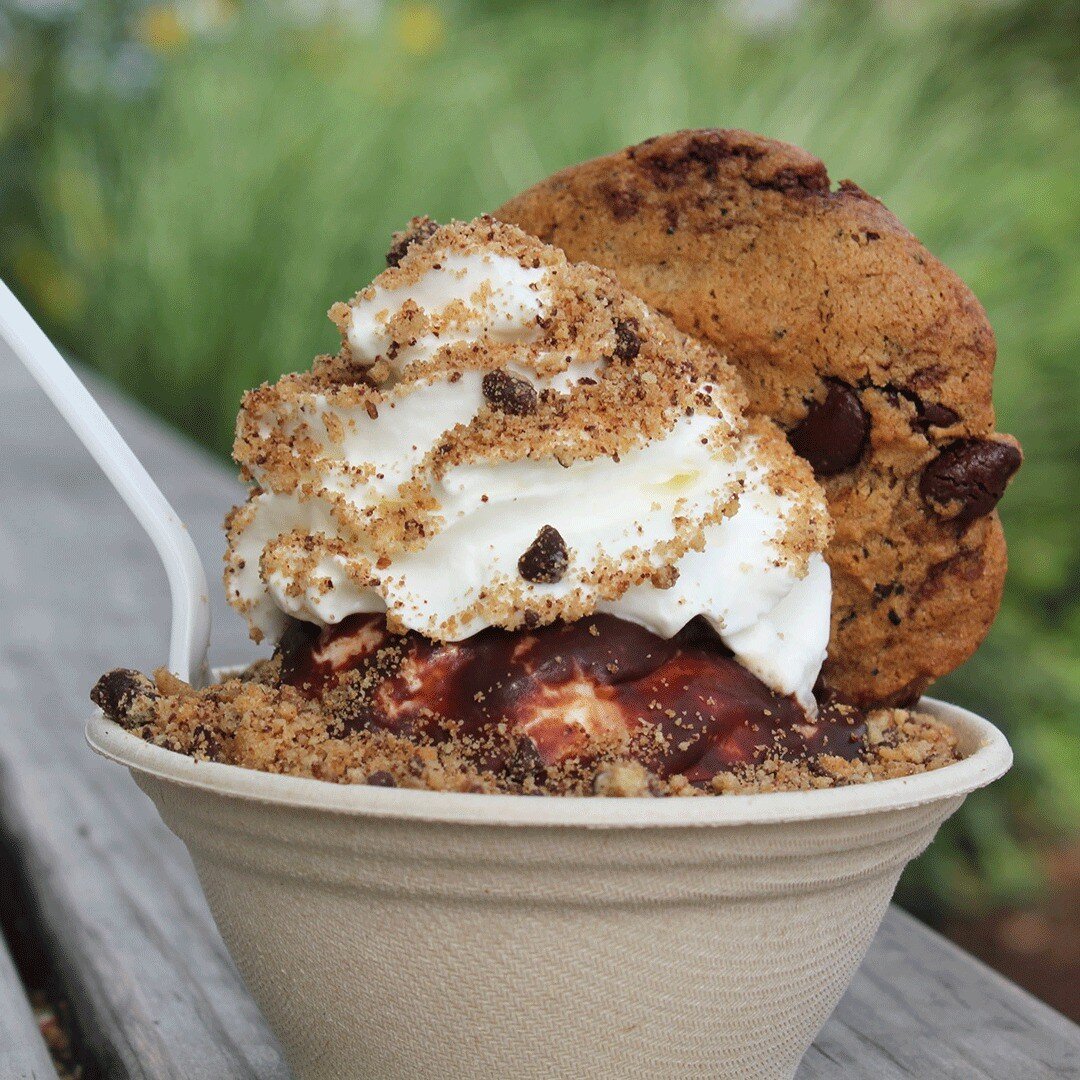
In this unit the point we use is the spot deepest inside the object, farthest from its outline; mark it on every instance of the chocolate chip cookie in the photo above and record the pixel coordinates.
(874, 357)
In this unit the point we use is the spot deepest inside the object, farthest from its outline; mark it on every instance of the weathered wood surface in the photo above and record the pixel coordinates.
(154, 990)
(921, 1007)
(152, 986)
(23, 1054)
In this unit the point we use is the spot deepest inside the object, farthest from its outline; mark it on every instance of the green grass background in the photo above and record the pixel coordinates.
(184, 190)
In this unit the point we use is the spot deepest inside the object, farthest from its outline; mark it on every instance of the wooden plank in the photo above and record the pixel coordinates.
(921, 1007)
(153, 989)
(23, 1054)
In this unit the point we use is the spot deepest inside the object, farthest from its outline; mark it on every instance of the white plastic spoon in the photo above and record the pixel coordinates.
(190, 636)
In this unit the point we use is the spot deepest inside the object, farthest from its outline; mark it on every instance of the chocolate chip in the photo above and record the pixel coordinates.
(833, 434)
(935, 415)
(966, 480)
(627, 342)
(381, 779)
(419, 229)
(206, 739)
(525, 762)
(117, 691)
(546, 559)
(508, 394)
(927, 416)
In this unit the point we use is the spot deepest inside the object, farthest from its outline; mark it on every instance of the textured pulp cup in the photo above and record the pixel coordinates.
(390, 933)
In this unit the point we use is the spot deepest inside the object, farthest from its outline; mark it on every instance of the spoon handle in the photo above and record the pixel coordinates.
(190, 636)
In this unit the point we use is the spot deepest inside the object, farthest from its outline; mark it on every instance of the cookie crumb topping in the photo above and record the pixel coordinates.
(597, 708)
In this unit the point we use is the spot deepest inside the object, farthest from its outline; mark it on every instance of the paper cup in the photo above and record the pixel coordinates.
(410, 934)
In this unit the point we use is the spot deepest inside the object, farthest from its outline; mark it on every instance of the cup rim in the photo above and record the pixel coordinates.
(987, 756)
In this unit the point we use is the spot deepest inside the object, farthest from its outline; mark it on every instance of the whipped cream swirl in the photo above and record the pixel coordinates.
(508, 439)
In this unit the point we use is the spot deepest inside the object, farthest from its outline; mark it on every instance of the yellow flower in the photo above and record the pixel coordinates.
(420, 28)
(160, 28)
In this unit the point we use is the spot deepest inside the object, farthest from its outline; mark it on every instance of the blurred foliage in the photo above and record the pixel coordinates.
(185, 188)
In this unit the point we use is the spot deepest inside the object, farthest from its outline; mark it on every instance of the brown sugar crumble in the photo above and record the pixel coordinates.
(530, 713)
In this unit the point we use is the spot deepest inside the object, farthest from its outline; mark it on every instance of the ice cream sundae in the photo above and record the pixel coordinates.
(522, 534)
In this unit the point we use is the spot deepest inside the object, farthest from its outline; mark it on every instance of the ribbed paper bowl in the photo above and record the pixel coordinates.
(411, 934)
